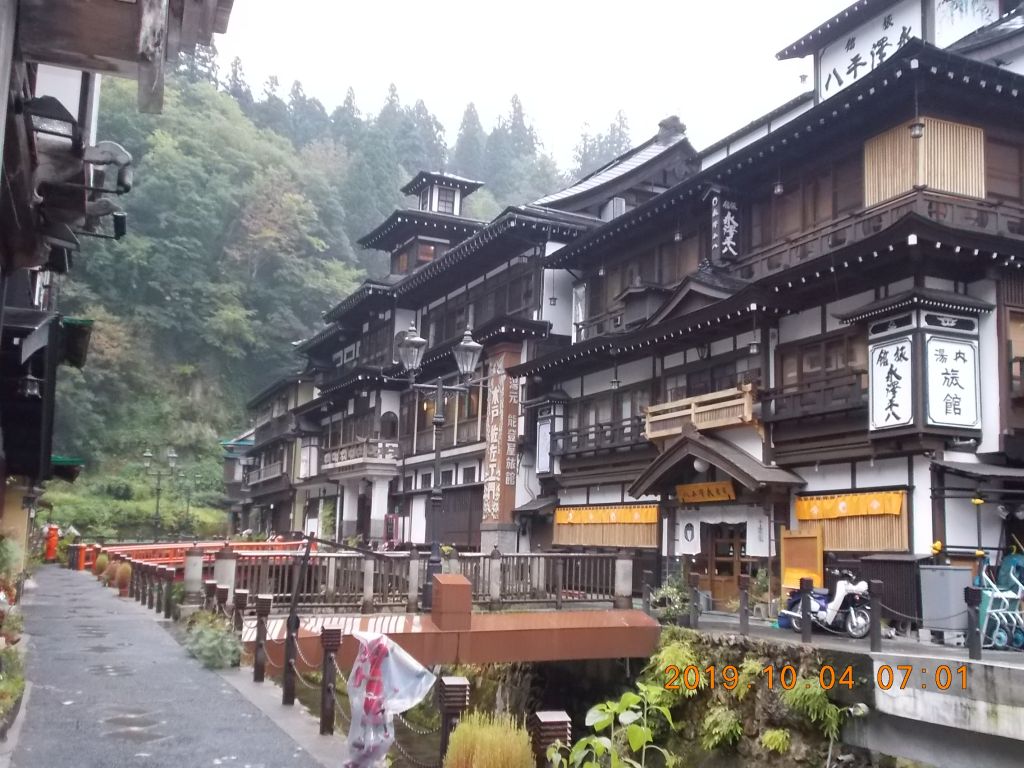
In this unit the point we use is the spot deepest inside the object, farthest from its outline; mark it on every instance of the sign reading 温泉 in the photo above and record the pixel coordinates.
(725, 228)
(891, 383)
(952, 382)
(699, 493)
(856, 53)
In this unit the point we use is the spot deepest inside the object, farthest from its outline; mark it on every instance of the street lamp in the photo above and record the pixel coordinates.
(147, 462)
(410, 355)
(186, 524)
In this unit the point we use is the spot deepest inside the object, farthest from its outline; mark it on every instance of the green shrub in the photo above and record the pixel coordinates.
(750, 671)
(100, 565)
(776, 740)
(482, 740)
(721, 727)
(14, 623)
(211, 640)
(670, 665)
(809, 699)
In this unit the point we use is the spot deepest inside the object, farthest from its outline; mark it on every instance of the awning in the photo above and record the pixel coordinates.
(608, 514)
(66, 468)
(666, 470)
(76, 334)
(979, 471)
(542, 506)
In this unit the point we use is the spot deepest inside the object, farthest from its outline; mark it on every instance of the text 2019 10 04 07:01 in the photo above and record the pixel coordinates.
(692, 677)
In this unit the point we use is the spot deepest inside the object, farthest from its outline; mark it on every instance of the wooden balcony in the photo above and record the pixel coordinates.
(264, 473)
(844, 392)
(598, 437)
(977, 216)
(278, 426)
(725, 408)
(359, 454)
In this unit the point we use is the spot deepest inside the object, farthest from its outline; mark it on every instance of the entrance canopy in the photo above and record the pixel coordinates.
(664, 472)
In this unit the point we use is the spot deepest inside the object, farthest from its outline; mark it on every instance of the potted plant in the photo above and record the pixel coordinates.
(109, 574)
(123, 578)
(100, 565)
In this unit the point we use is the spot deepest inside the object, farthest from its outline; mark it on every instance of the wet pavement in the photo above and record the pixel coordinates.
(110, 687)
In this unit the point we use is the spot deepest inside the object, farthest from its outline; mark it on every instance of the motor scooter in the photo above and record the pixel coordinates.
(848, 610)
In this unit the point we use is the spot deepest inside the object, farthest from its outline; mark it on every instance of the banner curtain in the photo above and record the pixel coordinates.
(850, 505)
(622, 514)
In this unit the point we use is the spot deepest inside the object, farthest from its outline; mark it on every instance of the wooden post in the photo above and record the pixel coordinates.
(972, 596)
(453, 701)
(157, 604)
(806, 585)
(694, 600)
(291, 642)
(133, 583)
(240, 604)
(169, 573)
(151, 590)
(744, 584)
(414, 581)
(210, 592)
(875, 590)
(559, 574)
(330, 641)
(367, 604)
(259, 661)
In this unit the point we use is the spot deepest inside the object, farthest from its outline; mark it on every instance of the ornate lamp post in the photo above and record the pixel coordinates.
(410, 355)
(189, 486)
(159, 474)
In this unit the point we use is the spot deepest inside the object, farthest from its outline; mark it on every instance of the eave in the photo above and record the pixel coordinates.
(842, 22)
(407, 223)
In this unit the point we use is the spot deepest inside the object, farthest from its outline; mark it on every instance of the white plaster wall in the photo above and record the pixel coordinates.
(557, 283)
(605, 494)
(635, 372)
(922, 493)
(800, 325)
(885, 472)
(938, 282)
(571, 387)
(962, 525)
(389, 401)
(527, 485)
(721, 346)
(989, 385)
(676, 358)
(717, 156)
(403, 318)
(901, 285)
(744, 437)
(848, 304)
(570, 496)
(418, 520)
(593, 383)
(826, 478)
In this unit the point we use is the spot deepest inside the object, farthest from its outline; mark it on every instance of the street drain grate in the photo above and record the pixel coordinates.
(111, 670)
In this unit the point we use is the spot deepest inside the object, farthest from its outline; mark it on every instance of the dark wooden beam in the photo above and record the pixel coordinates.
(151, 52)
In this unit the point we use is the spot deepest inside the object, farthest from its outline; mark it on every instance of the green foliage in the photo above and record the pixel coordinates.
(776, 740)
(12, 678)
(630, 745)
(678, 653)
(482, 740)
(671, 600)
(721, 727)
(211, 640)
(14, 623)
(10, 556)
(592, 152)
(809, 699)
(750, 671)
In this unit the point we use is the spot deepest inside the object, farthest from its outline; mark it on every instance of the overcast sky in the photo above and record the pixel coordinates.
(573, 63)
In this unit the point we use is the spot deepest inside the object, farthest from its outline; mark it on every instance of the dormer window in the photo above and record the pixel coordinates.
(445, 200)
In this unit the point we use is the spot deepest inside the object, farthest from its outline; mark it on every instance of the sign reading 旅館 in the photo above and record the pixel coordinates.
(700, 493)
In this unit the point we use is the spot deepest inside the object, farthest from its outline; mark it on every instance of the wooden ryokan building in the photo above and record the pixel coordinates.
(816, 324)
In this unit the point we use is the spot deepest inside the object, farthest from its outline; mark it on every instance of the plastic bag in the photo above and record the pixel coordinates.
(384, 681)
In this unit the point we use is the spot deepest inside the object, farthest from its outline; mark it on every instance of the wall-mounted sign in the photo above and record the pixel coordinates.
(855, 54)
(700, 493)
(952, 381)
(891, 383)
(725, 228)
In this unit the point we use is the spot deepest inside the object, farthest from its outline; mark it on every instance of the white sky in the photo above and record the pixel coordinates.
(573, 62)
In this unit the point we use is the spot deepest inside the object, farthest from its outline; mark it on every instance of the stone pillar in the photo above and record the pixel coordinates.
(224, 568)
(349, 510)
(414, 580)
(169, 573)
(210, 595)
(259, 661)
(193, 576)
(494, 579)
(378, 507)
(623, 580)
(498, 527)
(368, 563)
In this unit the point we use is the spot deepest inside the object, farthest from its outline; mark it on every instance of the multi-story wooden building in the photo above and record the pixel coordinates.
(794, 337)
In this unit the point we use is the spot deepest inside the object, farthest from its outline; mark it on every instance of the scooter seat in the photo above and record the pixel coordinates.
(819, 591)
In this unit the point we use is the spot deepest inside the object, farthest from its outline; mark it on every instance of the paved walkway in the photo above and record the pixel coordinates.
(111, 687)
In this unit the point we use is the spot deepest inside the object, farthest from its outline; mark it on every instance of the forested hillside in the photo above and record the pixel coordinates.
(242, 227)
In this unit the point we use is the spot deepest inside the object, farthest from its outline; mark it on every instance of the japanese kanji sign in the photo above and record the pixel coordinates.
(891, 383)
(952, 377)
(698, 493)
(725, 229)
(502, 423)
(870, 45)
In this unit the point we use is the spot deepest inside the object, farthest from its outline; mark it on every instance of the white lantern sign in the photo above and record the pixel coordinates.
(891, 383)
(952, 380)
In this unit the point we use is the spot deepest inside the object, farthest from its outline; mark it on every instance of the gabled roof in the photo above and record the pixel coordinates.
(706, 281)
(1007, 26)
(842, 22)
(623, 166)
(426, 178)
(273, 388)
(405, 223)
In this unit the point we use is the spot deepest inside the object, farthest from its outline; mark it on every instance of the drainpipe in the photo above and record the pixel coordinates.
(337, 514)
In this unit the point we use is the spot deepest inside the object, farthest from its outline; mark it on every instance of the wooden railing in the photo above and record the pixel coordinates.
(845, 391)
(332, 579)
(598, 437)
(370, 449)
(1001, 219)
(274, 428)
(557, 578)
(261, 474)
(725, 408)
